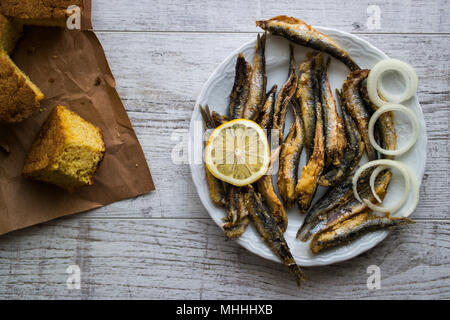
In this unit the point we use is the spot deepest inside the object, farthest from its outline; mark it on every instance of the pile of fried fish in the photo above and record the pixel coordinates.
(333, 143)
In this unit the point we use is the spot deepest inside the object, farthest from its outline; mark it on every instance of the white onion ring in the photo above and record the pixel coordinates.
(386, 163)
(374, 86)
(411, 116)
(415, 189)
(372, 186)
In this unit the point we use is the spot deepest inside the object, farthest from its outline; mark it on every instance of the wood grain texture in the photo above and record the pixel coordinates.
(164, 245)
(240, 16)
(190, 258)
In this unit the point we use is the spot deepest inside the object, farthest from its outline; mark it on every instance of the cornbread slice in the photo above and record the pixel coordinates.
(19, 97)
(10, 32)
(38, 12)
(67, 151)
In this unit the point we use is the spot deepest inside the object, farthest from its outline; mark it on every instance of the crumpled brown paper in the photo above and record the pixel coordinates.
(86, 15)
(71, 69)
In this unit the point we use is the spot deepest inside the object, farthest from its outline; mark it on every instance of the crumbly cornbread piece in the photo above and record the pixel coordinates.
(10, 33)
(19, 97)
(67, 151)
(38, 12)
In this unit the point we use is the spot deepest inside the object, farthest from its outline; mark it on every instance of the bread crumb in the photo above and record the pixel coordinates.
(5, 147)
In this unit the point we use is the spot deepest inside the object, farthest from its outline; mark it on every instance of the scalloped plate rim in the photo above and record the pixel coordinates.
(376, 237)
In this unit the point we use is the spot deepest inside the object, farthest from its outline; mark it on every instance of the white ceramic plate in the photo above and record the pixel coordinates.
(215, 93)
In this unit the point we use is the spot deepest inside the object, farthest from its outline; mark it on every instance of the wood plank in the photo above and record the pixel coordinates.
(159, 76)
(149, 65)
(240, 16)
(191, 259)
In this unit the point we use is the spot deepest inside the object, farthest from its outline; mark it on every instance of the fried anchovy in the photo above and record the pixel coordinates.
(333, 198)
(241, 88)
(285, 96)
(352, 228)
(271, 233)
(237, 218)
(291, 150)
(353, 206)
(216, 187)
(384, 126)
(264, 185)
(352, 153)
(303, 34)
(335, 141)
(266, 117)
(356, 106)
(258, 81)
(307, 97)
(307, 184)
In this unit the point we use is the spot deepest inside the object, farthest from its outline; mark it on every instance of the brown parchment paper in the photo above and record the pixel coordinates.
(86, 15)
(71, 69)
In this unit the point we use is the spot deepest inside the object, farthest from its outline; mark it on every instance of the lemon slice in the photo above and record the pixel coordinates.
(238, 152)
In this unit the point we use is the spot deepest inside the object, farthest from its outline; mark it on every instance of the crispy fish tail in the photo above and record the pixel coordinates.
(219, 119)
(299, 276)
(235, 230)
(206, 116)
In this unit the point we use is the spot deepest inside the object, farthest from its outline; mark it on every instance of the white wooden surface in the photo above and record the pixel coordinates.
(164, 245)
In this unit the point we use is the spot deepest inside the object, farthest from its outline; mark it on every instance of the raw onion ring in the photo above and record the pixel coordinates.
(414, 122)
(386, 163)
(374, 86)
